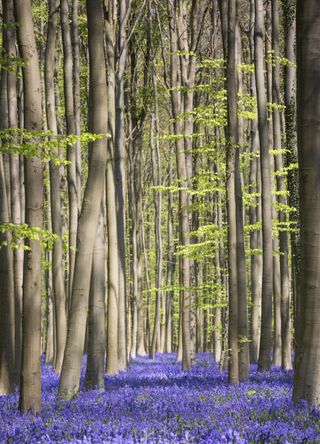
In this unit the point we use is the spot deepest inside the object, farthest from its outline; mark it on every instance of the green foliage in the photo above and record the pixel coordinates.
(247, 106)
(246, 68)
(43, 144)
(274, 59)
(212, 63)
(20, 233)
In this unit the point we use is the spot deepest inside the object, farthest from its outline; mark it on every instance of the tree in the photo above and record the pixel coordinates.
(70, 129)
(267, 281)
(59, 294)
(88, 221)
(307, 361)
(233, 373)
(30, 388)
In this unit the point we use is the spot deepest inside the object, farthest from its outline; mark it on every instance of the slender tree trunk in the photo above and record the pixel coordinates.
(7, 297)
(281, 187)
(113, 342)
(96, 317)
(244, 362)
(267, 277)
(291, 146)
(217, 343)
(30, 384)
(55, 187)
(233, 372)
(71, 130)
(6, 262)
(120, 172)
(255, 235)
(307, 359)
(170, 264)
(49, 351)
(182, 175)
(15, 183)
(76, 91)
(156, 172)
(70, 374)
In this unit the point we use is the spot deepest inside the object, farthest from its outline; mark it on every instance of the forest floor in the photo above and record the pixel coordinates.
(156, 402)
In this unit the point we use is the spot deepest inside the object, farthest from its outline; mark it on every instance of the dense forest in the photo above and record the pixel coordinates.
(159, 205)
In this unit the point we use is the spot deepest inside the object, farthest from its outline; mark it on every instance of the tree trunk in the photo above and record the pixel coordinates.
(120, 173)
(113, 340)
(156, 172)
(15, 182)
(170, 264)
(244, 362)
(88, 221)
(96, 317)
(307, 359)
(55, 187)
(233, 371)
(182, 174)
(293, 180)
(6, 262)
(71, 129)
(255, 235)
(30, 384)
(281, 187)
(267, 279)
(76, 91)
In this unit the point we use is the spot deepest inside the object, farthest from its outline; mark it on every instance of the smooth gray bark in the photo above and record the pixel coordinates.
(88, 221)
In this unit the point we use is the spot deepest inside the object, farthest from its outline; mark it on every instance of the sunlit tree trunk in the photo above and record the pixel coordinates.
(184, 272)
(120, 171)
(96, 317)
(76, 91)
(171, 262)
(267, 279)
(254, 218)
(88, 221)
(70, 129)
(244, 362)
(114, 343)
(233, 371)
(59, 295)
(156, 175)
(30, 385)
(291, 158)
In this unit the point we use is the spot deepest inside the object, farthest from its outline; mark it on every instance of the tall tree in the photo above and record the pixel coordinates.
(181, 161)
(70, 129)
(254, 216)
(6, 272)
(117, 15)
(307, 360)
(15, 180)
(30, 388)
(267, 280)
(281, 187)
(231, 196)
(59, 295)
(96, 316)
(88, 221)
(289, 12)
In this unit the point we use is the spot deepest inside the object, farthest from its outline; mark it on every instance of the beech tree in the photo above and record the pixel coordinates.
(88, 221)
(307, 363)
(267, 281)
(30, 386)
